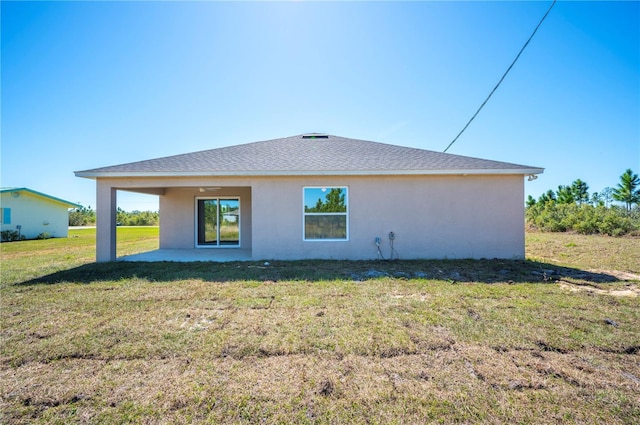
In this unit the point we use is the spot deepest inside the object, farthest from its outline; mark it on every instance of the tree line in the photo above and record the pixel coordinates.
(334, 202)
(86, 216)
(572, 208)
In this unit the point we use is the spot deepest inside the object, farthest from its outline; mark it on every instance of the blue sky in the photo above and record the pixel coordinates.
(90, 84)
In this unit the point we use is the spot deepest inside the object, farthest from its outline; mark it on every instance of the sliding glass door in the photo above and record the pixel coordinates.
(218, 222)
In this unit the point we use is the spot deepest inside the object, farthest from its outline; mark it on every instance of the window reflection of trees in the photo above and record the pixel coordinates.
(325, 213)
(335, 201)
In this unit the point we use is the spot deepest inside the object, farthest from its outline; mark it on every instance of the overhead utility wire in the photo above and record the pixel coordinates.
(503, 76)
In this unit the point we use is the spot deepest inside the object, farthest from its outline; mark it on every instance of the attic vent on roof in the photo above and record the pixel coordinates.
(315, 136)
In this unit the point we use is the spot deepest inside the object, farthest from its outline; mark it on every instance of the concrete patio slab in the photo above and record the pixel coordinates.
(188, 255)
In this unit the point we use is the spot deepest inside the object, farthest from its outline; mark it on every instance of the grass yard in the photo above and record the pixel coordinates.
(33, 259)
(554, 339)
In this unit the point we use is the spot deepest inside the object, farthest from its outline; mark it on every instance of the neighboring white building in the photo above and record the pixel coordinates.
(32, 213)
(326, 197)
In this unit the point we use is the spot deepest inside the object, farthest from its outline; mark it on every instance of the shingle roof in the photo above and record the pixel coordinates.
(313, 154)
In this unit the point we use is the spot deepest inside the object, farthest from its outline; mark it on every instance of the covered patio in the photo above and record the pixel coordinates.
(199, 220)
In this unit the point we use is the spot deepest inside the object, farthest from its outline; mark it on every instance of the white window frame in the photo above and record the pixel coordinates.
(346, 214)
(218, 246)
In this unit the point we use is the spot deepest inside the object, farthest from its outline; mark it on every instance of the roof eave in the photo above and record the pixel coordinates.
(277, 173)
(43, 195)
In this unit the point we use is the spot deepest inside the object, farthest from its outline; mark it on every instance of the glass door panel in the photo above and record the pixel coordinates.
(229, 222)
(207, 222)
(218, 222)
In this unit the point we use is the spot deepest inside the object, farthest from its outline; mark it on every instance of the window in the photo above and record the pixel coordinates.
(218, 222)
(326, 211)
(5, 217)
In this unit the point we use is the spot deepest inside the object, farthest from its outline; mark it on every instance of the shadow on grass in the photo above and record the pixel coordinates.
(481, 271)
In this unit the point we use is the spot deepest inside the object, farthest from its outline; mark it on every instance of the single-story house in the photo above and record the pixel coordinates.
(318, 196)
(32, 213)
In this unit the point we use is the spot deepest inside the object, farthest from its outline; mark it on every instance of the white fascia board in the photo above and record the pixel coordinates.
(44, 196)
(268, 173)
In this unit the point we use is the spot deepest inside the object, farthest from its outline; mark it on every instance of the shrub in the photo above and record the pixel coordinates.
(137, 218)
(616, 224)
(82, 217)
(547, 217)
(11, 236)
(587, 219)
(44, 235)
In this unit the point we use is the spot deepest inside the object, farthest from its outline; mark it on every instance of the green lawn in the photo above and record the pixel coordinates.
(26, 260)
(554, 339)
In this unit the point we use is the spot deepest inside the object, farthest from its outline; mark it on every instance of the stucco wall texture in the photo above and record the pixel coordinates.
(432, 216)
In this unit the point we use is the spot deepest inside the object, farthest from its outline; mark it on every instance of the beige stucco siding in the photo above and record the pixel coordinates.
(431, 216)
(36, 215)
(434, 216)
(178, 210)
(177, 219)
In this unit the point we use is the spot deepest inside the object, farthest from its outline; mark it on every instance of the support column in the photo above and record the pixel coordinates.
(106, 203)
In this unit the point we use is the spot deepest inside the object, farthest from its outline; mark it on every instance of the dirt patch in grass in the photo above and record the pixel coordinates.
(620, 275)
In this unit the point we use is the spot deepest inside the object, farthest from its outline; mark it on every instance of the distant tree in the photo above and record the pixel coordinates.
(628, 190)
(146, 218)
(607, 196)
(83, 216)
(580, 191)
(530, 201)
(597, 199)
(334, 202)
(318, 207)
(152, 218)
(122, 217)
(548, 196)
(565, 195)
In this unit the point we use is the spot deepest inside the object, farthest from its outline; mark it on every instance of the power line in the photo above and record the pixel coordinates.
(503, 76)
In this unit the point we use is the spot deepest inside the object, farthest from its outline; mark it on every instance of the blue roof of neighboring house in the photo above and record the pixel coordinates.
(43, 195)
